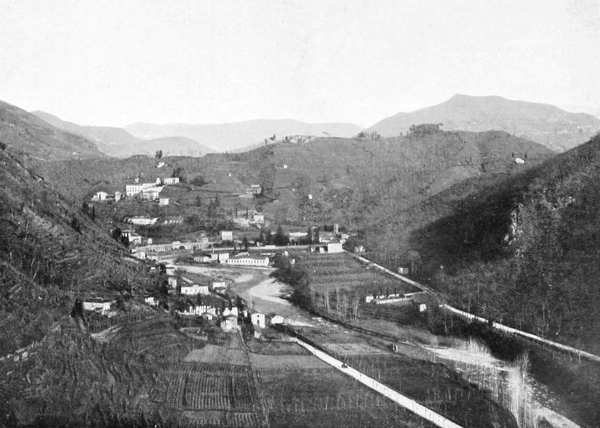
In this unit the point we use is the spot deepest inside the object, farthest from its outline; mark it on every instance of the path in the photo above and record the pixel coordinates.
(396, 397)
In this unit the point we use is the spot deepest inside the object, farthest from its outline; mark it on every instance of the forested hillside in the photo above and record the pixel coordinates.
(51, 253)
(525, 251)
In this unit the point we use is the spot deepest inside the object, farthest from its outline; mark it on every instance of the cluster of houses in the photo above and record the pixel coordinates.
(146, 191)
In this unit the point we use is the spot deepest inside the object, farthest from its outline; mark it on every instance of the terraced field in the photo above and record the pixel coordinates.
(338, 283)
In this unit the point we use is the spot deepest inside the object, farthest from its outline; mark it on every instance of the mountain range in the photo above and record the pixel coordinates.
(557, 129)
(239, 135)
(118, 142)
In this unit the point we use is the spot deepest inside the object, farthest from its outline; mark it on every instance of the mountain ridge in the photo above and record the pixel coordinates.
(115, 141)
(543, 123)
(25, 133)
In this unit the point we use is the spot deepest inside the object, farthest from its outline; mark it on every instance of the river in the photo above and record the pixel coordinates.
(510, 383)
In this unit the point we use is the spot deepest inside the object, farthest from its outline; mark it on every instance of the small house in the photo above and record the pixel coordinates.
(334, 247)
(100, 196)
(219, 284)
(258, 320)
(276, 319)
(226, 235)
(229, 323)
(98, 305)
(172, 280)
(163, 202)
(152, 301)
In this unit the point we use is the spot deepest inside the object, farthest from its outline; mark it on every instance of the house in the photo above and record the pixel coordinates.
(194, 289)
(97, 305)
(254, 189)
(174, 219)
(118, 196)
(172, 281)
(245, 259)
(259, 218)
(170, 180)
(100, 196)
(276, 319)
(133, 189)
(150, 300)
(258, 320)
(202, 258)
(142, 221)
(220, 257)
(219, 284)
(205, 311)
(334, 247)
(233, 311)
(151, 193)
(226, 235)
(403, 270)
(229, 323)
(297, 236)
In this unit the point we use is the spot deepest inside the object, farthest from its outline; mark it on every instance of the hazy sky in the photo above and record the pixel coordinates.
(115, 62)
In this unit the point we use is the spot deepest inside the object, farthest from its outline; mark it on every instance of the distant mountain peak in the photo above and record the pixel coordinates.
(546, 124)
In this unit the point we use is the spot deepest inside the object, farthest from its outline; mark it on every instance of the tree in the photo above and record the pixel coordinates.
(198, 181)
(245, 243)
(158, 154)
(280, 237)
(75, 224)
(116, 234)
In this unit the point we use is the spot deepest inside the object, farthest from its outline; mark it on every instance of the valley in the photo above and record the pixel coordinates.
(260, 288)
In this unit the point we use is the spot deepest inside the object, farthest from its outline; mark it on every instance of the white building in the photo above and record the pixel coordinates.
(334, 247)
(258, 218)
(98, 305)
(100, 196)
(277, 319)
(172, 281)
(194, 289)
(254, 189)
(151, 193)
(170, 180)
(118, 196)
(233, 311)
(258, 320)
(143, 221)
(248, 260)
(200, 310)
(163, 201)
(152, 301)
(230, 323)
(219, 284)
(226, 235)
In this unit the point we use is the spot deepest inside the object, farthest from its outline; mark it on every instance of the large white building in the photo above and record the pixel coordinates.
(248, 260)
(194, 289)
(170, 180)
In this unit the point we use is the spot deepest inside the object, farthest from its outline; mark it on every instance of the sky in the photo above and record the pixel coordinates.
(116, 62)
